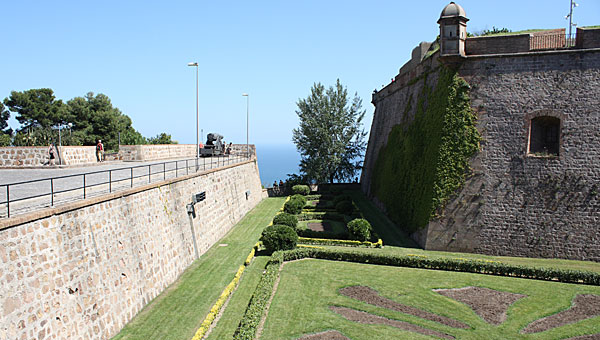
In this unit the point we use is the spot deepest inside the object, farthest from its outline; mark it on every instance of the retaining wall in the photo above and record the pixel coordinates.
(83, 270)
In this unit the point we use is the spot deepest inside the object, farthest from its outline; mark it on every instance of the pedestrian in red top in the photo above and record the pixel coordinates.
(99, 151)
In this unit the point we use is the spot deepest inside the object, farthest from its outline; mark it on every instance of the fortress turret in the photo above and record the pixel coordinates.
(453, 31)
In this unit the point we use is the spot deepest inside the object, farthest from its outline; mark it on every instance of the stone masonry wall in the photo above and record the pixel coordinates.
(28, 156)
(514, 203)
(16, 156)
(537, 206)
(152, 152)
(77, 155)
(82, 271)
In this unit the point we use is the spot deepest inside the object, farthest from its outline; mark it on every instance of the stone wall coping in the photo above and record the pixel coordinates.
(532, 53)
(47, 212)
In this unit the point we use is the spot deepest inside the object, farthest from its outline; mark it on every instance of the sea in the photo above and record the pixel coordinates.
(276, 161)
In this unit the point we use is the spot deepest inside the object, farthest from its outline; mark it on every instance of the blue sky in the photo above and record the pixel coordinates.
(136, 52)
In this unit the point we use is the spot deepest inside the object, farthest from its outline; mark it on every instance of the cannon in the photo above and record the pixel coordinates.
(214, 146)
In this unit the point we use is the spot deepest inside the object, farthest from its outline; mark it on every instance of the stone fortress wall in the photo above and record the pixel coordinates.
(35, 156)
(513, 202)
(83, 270)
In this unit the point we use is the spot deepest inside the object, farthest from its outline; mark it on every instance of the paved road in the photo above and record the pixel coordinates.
(67, 183)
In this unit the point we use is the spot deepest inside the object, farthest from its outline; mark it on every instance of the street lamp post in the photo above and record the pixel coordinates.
(197, 141)
(247, 120)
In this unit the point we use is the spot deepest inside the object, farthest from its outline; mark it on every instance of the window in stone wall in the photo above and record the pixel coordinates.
(544, 136)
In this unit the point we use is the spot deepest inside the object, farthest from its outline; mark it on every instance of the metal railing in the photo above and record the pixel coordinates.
(551, 41)
(50, 191)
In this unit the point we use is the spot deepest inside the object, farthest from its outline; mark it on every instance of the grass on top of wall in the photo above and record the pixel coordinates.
(179, 311)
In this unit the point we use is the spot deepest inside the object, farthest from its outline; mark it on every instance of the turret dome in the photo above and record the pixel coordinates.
(453, 10)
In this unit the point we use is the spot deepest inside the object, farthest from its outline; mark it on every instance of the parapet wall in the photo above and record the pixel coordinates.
(151, 152)
(31, 156)
(83, 270)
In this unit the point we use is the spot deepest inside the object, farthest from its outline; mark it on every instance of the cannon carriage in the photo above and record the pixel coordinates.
(214, 146)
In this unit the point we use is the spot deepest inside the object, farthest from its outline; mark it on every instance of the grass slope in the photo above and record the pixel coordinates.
(179, 310)
(308, 287)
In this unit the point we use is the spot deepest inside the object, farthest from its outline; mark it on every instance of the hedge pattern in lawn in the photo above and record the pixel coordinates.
(301, 189)
(359, 229)
(258, 303)
(279, 237)
(286, 219)
(339, 242)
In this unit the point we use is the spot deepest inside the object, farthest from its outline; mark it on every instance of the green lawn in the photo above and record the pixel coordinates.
(338, 226)
(178, 312)
(308, 287)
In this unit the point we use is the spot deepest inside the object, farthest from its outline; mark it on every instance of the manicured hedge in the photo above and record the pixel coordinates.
(258, 303)
(319, 215)
(301, 189)
(247, 328)
(359, 229)
(293, 206)
(338, 242)
(322, 234)
(286, 219)
(279, 237)
(471, 266)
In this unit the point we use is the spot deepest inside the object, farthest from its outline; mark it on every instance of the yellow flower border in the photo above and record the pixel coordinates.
(214, 311)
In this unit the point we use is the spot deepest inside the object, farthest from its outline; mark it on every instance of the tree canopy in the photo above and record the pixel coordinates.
(92, 117)
(330, 137)
(5, 134)
(37, 108)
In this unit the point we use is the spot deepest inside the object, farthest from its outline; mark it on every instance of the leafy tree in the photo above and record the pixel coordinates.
(330, 138)
(37, 108)
(5, 134)
(161, 138)
(94, 117)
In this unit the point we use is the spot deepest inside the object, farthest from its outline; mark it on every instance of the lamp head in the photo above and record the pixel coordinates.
(245, 94)
(193, 64)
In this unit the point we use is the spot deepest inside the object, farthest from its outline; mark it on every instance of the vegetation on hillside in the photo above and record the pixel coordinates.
(424, 163)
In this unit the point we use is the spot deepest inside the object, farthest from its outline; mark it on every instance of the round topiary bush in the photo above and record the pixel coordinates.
(300, 198)
(341, 198)
(293, 207)
(344, 207)
(279, 237)
(301, 189)
(359, 229)
(286, 219)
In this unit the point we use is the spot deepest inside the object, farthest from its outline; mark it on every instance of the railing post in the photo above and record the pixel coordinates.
(149, 177)
(164, 171)
(187, 167)
(109, 181)
(51, 192)
(83, 186)
(131, 176)
(176, 169)
(7, 200)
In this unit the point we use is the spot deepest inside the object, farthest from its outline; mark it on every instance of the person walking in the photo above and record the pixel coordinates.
(51, 154)
(99, 151)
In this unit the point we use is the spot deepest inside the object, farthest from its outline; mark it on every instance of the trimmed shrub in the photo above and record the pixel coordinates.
(301, 189)
(344, 207)
(340, 198)
(286, 219)
(293, 207)
(279, 237)
(300, 198)
(359, 229)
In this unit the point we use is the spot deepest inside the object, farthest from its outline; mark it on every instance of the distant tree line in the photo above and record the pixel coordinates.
(82, 120)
